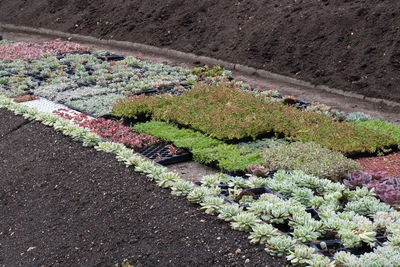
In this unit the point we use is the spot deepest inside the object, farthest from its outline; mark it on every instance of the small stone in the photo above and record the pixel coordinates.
(218, 238)
(202, 221)
(30, 249)
(238, 251)
(247, 261)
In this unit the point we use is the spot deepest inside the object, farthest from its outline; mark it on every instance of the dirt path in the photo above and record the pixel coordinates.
(349, 45)
(346, 104)
(65, 205)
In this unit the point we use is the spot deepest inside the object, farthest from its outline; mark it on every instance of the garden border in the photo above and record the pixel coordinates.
(190, 57)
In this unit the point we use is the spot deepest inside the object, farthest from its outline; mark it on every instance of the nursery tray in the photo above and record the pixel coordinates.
(112, 58)
(161, 154)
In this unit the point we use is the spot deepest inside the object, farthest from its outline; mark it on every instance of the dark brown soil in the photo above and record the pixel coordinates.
(349, 45)
(65, 205)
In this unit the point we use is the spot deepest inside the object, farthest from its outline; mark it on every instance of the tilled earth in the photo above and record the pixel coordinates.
(65, 205)
(349, 45)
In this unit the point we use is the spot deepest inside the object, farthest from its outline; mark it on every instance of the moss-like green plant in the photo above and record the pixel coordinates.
(205, 149)
(382, 127)
(311, 158)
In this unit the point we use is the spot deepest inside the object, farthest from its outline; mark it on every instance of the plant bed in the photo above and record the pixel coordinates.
(226, 113)
(165, 154)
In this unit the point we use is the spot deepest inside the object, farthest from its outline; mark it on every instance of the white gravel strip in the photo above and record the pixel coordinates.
(42, 104)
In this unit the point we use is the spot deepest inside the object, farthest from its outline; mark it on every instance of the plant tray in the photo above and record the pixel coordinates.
(112, 58)
(161, 154)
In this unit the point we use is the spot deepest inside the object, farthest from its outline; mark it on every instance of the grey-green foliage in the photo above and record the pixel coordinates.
(98, 105)
(260, 145)
(311, 158)
(357, 116)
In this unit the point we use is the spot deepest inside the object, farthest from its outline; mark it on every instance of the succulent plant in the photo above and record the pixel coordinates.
(257, 170)
(211, 204)
(211, 180)
(357, 116)
(262, 232)
(280, 245)
(92, 139)
(301, 255)
(228, 211)
(199, 193)
(244, 221)
(357, 179)
(343, 258)
(182, 188)
(168, 179)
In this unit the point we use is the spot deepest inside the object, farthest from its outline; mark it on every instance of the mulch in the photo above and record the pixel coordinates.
(65, 205)
(349, 45)
(389, 164)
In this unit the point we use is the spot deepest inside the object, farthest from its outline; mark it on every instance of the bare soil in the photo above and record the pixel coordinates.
(65, 205)
(349, 45)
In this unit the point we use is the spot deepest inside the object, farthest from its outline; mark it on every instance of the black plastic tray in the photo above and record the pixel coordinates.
(161, 154)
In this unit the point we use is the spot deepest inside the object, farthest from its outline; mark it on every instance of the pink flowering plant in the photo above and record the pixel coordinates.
(32, 51)
(109, 130)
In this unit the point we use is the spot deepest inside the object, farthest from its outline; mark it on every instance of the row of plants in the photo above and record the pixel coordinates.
(31, 51)
(126, 76)
(382, 127)
(205, 149)
(348, 220)
(356, 222)
(109, 130)
(226, 113)
(273, 153)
